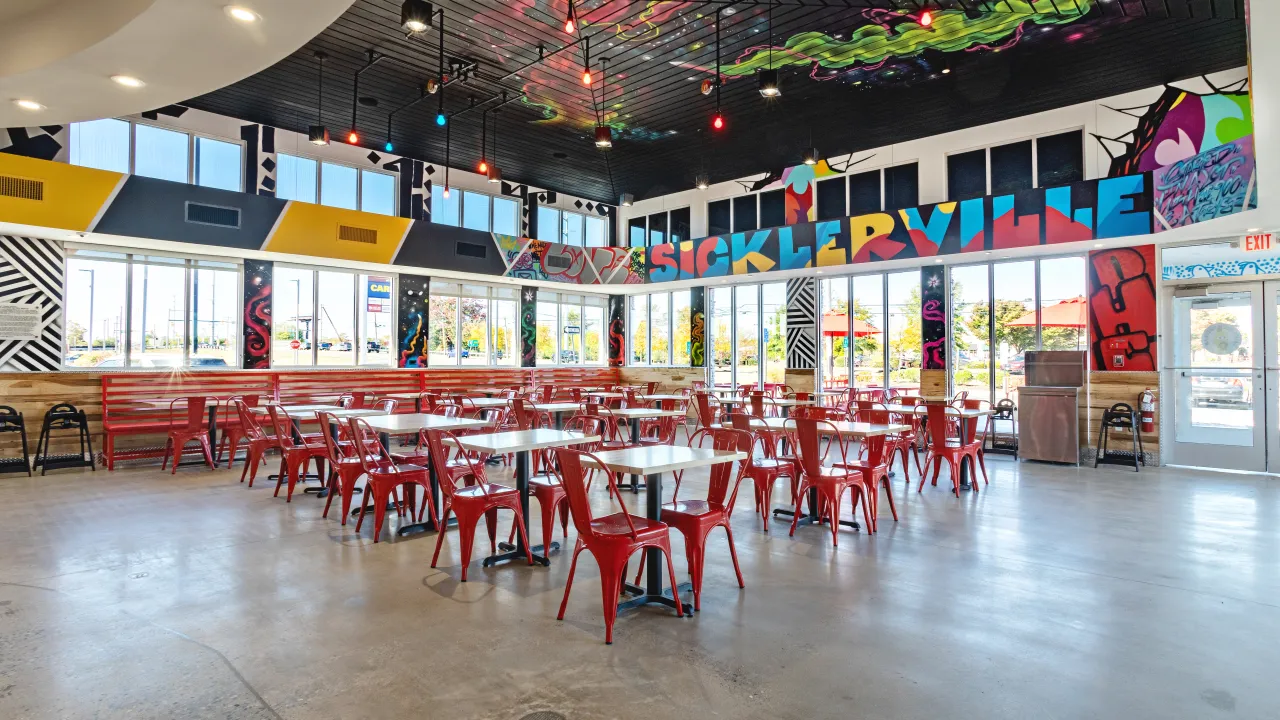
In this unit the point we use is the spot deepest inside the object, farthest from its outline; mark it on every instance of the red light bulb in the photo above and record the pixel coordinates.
(586, 77)
(352, 138)
(483, 167)
(717, 122)
(926, 18)
(568, 25)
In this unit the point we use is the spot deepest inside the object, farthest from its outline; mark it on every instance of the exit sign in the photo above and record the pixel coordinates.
(1259, 243)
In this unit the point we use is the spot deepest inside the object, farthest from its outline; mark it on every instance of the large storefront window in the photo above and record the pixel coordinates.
(903, 293)
(659, 325)
(748, 333)
(473, 325)
(174, 312)
(316, 314)
(970, 330)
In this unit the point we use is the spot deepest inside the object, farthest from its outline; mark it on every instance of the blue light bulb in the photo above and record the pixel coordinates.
(388, 146)
(440, 119)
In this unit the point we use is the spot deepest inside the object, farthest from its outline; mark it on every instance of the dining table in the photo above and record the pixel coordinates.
(848, 430)
(652, 462)
(298, 414)
(557, 410)
(783, 404)
(388, 426)
(635, 415)
(521, 443)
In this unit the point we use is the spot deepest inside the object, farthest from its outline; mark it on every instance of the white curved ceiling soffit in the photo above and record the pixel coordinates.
(63, 53)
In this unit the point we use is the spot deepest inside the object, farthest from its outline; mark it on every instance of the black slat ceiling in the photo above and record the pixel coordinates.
(856, 74)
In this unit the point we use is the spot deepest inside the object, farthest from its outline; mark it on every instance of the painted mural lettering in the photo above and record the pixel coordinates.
(1122, 308)
(1095, 209)
(1214, 183)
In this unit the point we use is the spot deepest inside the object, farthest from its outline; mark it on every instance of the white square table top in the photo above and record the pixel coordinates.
(776, 402)
(357, 412)
(657, 459)
(654, 398)
(844, 427)
(397, 395)
(644, 413)
(721, 390)
(521, 440)
(485, 403)
(300, 409)
(607, 395)
(922, 409)
(556, 407)
(412, 423)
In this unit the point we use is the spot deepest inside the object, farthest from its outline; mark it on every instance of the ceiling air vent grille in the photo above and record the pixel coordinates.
(467, 249)
(215, 215)
(21, 188)
(358, 234)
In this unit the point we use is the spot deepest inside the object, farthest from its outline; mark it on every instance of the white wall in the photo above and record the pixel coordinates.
(931, 152)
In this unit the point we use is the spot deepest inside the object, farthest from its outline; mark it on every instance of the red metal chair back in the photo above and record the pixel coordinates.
(805, 436)
(575, 488)
(447, 409)
(588, 425)
(441, 452)
(195, 407)
(252, 430)
(722, 474)
(283, 424)
(428, 400)
(937, 416)
(387, 405)
(522, 414)
(971, 424)
(704, 408)
(327, 424)
(757, 403)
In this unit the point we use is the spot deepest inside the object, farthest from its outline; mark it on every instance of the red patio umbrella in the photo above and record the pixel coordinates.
(1072, 313)
(836, 324)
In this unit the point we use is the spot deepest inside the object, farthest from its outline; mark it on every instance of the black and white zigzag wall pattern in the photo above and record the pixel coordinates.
(48, 142)
(526, 212)
(31, 272)
(802, 324)
(260, 159)
(414, 187)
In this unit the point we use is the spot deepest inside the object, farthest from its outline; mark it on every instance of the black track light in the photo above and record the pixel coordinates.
(626, 199)
(769, 86)
(415, 15)
(318, 135)
(811, 156)
(702, 182)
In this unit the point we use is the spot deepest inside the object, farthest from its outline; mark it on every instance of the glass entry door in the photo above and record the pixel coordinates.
(1220, 341)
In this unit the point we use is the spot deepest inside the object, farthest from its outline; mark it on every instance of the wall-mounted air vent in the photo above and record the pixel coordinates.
(21, 188)
(466, 249)
(215, 215)
(358, 234)
(557, 262)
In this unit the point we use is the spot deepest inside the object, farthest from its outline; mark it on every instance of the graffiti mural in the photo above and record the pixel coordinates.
(529, 259)
(257, 315)
(1090, 210)
(414, 301)
(1178, 126)
(697, 327)
(618, 330)
(802, 324)
(1215, 183)
(933, 317)
(1122, 308)
(528, 327)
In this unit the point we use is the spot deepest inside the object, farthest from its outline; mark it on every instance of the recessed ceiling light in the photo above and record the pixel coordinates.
(242, 14)
(33, 105)
(1252, 230)
(128, 81)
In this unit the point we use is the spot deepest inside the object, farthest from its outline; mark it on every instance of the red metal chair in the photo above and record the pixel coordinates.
(386, 405)
(192, 427)
(231, 428)
(475, 498)
(611, 539)
(295, 457)
(971, 430)
(385, 477)
(660, 430)
(764, 472)
(875, 467)
(943, 447)
(805, 436)
(695, 519)
(706, 409)
(258, 441)
(544, 486)
(344, 468)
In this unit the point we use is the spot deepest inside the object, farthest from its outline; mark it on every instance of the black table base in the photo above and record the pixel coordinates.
(655, 564)
(812, 518)
(516, 551)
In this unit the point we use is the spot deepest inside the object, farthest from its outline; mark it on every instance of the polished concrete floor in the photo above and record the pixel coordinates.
(1055, 593)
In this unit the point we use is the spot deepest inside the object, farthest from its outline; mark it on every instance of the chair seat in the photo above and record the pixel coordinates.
(861, 465)
(400, 468)
(692, 508)
(771, 464)
(616, 524)
(543, 481)
(411, 458)
(476, 492)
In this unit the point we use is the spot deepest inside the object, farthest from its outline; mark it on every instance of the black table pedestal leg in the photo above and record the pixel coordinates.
(655, 563)
(516, 551)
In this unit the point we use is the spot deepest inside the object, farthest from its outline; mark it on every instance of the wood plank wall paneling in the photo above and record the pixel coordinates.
(34, 393)
(1106, 389)
(801, 380)
(670, 379)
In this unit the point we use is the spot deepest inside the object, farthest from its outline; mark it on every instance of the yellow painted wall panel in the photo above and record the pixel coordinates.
(308, 229)
(72, 195)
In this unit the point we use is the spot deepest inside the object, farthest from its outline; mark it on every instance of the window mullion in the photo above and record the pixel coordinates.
(187, 310)
(315, 318)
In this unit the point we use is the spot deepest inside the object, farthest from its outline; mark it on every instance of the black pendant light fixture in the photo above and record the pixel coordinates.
(604, 133)
(482, 167)
(318, 134)
(415, 15)
(717, 120)
(495, 174)
(440, 116)
(811, 156)
(769, 86)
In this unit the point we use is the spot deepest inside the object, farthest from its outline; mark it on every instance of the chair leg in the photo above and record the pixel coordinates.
(491, 527)
(380, 498)
(610, 586)
(888, 492)
(466, 538)
(671, 573)
(440, 535)
(208, 451)
(573, 566)
(797, 496)
(733, 553)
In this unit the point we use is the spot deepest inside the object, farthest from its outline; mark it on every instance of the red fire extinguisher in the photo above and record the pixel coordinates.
(1148, 410)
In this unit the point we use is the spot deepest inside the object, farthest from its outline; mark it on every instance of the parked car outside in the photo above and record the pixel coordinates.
(1218, 392)
(344, 347)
